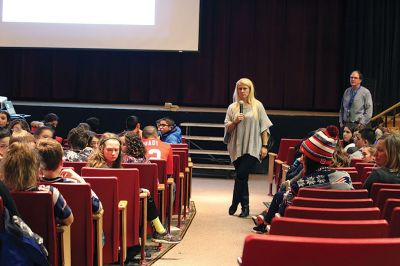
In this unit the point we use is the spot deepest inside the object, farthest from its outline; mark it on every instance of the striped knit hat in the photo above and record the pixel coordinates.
(321, 146)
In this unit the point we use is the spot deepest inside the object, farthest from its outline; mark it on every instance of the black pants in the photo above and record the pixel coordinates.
(152, 212)
(243, 165)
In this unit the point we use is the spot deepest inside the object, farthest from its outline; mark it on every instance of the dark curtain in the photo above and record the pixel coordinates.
(372, 45)
(297, 52)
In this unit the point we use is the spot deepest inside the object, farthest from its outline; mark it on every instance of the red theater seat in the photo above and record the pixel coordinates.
(332, 203)
(333, 213)
(333, 193)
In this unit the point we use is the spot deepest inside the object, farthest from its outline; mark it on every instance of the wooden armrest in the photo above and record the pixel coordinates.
(186, 169)
(122, 207)
(190, 164)
(181, 175)
(272, 154)
(285, 167)
(143, 237)
(143, 195)
(98, 218)
(161, 187)
(279, 161)
(170, 181)
(190, 159)
(65, 235)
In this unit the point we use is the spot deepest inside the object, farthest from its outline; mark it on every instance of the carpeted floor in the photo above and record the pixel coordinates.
(214, 237)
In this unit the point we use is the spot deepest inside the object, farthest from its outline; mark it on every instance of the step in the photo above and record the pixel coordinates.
(186, 124)
(213, 166)
(211, 152)
(206, 138)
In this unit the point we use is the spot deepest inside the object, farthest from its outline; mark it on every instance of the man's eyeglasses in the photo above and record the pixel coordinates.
(354, 78)
(163, 125)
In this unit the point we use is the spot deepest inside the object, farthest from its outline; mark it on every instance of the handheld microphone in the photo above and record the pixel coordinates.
(241, 106)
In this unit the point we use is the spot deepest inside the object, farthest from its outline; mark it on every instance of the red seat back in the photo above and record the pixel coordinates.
(79, 199)
(359, 165)
(390, 204)
(355, 161)
(384, 194)
(284, 146)
(106, 188)
(162, 170)
(148, 176)
(332, 203)
(377, 186)
(261, 250)
(333, 193)
(329, 228)
(179, 145)
(394, 230)
(177, 170)
(36, 209)
(333, 213)
(76, 165)
(128, 189)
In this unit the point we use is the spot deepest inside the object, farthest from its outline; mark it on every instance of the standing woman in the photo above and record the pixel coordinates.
(246, 133)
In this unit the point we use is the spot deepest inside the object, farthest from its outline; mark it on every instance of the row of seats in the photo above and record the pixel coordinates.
(124, 207)
(320, 224)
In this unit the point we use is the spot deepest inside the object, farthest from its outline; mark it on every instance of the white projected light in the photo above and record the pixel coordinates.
(104, 24)
(129, 12)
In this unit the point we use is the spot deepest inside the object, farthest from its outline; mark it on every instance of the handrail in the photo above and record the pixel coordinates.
(385, 112)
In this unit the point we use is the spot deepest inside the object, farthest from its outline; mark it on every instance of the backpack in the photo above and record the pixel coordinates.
(19, 245)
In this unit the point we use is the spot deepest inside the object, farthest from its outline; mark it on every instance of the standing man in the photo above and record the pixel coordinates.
(356, 106)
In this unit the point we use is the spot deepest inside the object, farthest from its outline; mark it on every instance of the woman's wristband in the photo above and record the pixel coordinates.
(264, 146)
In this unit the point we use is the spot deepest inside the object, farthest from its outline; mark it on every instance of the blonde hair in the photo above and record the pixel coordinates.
(20, 167)
(392, 145)
(97, 159)
(251, 99)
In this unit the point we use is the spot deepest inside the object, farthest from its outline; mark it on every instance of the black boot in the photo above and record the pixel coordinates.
(245, 212)
(232, 209)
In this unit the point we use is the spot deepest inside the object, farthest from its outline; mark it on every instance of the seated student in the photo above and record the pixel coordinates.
(51, 169)
(157, 149)
(78, 140)
(4, 141)
(387, 156)
(317, 157)
(168, 131)
(368, 154)
(94, 123)
(93, 140)
(35, 125)
(363, 138)
(109, 155)
(348, 138)
(19, 124)
(4, 119)
(51, 120)
(135, 150)
(19, 170)
(44, 133)
(133, 124)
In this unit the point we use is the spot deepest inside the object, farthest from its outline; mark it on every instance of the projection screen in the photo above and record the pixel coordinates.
(101, 24)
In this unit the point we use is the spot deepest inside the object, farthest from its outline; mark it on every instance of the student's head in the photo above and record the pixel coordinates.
(364, 137)
(51, 120)
(388, 152)
(94, 124)
(93, 140)
(318, 149)
(20, 167)
(23, 137)
(4, 118)
(44, 133)
(35, 125)
(50, 153)
(340, 158)
(108, 153)
(368, 154)
(4, 141)
(165, 125)
(134, 145)
(85, 126)
(132, 123)
(78, 138)
(348, 131)
(17, 125)
(356, 78)
(150, 132)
